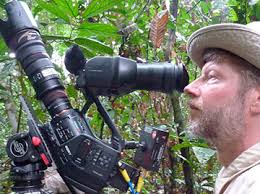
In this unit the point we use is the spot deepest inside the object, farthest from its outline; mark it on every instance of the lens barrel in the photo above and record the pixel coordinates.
(164, 77)
(22, 36)
(108, 76)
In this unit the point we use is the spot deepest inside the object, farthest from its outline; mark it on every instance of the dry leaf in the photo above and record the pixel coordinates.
(158, 28)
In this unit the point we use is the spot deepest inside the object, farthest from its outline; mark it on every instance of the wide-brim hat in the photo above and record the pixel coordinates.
(241, 40)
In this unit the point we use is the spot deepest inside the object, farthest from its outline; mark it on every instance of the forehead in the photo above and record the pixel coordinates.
(228, 65)
(224, 60)
(220, 66)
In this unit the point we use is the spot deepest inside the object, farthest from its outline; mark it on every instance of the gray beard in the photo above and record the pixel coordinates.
(221, 126)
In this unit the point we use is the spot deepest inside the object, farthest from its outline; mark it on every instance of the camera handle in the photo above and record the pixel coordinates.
(116, 139)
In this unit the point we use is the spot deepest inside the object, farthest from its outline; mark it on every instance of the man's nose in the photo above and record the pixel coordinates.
(192, 89)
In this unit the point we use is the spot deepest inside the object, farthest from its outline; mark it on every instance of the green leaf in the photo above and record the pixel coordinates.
(36, 10)
(205, 7)
(3, 48)
(257, 11)
(184, 144)
(125, 117)
(53, 8)
(233, 15)
(183, 15)
(203, 154)
(2, 3)
(232, 3)
(72, 92)
(55, 37)
(87, 52)
(94, 29)
(96, 7)
(68, 7)
(94, 45)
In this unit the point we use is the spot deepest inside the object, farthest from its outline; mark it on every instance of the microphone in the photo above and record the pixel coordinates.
(74, 59)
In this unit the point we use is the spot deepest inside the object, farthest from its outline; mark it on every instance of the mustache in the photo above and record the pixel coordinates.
(194, 105)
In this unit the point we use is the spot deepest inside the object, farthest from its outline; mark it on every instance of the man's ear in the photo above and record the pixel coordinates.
(255, 100)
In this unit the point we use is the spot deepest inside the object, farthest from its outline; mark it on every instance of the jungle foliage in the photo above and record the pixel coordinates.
(143, 30)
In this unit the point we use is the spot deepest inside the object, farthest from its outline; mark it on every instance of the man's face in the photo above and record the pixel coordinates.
(217, 104)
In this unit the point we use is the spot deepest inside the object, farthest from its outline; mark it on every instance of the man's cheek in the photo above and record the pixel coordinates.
(194, 114)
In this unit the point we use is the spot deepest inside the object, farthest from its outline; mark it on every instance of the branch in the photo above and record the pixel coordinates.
(178, 116)
(55, 37)
(11, 112)
(196, 4)
(142, 11)
(172, 36)
(19, 118)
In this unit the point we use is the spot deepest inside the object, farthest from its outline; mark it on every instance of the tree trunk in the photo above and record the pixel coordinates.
(187, 170)
(178, 118)
(11, 113)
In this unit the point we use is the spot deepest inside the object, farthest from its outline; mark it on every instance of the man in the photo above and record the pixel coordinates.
(225, 101)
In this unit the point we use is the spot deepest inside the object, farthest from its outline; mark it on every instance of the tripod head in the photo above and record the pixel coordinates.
(29, 156)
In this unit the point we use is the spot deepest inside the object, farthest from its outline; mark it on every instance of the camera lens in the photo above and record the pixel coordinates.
(164, 77)
(108, 76)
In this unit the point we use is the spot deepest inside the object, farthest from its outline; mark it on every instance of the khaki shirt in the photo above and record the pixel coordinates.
(242, 176)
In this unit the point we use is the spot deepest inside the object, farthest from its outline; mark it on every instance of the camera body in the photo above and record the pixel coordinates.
(80, 155)
(83, 160)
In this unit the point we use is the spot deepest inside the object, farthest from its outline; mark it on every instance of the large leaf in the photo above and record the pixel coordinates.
(96, 7)
(87, 52)
(94, 29)
(158, 28)
(187, 143)
(68, 6)
(55, 37)
(56, 10)
(94, 45)
(203, 154)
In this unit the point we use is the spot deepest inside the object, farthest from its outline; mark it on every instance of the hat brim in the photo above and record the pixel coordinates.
(235, 38)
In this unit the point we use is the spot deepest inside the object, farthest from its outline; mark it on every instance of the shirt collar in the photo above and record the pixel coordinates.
(246, 159)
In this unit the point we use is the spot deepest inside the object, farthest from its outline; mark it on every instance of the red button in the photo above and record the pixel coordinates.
(36, 141)
(45, 159)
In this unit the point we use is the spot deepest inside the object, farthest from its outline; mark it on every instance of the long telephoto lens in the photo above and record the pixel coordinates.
(22, 36)
(164, 77)
(108, 76)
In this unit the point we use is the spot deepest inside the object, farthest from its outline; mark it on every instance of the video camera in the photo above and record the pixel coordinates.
(82, 159)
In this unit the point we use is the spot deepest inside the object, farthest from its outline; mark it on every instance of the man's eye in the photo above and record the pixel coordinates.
(212, 78)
